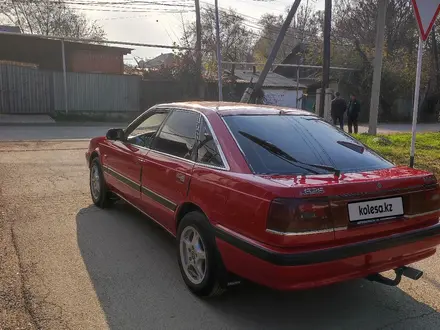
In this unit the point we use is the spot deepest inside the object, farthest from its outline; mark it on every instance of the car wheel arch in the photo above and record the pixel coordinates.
(186, 208)
(93, 155)
(223, 275)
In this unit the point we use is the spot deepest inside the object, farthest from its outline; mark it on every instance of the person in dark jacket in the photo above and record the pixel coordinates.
(354, 108)
(338, 109)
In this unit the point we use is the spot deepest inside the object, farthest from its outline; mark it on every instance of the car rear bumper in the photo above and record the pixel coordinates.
(287, 271)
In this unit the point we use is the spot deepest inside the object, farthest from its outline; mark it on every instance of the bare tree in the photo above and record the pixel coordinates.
(47, 17)
(355, 22)
(236, 38)
(305, 28)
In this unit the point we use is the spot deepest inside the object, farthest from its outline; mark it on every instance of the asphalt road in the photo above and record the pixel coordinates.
(65, 264)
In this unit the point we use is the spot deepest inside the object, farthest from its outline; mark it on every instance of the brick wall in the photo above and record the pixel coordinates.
(104, 61)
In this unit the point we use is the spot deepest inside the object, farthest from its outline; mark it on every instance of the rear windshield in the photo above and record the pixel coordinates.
(302, 140)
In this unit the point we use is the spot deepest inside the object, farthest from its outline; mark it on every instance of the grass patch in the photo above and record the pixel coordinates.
(427, 155)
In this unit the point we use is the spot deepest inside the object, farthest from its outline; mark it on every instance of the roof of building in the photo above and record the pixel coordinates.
(9, 28)
(44, 51)
(159, 60)
(232, 108)
(48, 41)
(273, 80)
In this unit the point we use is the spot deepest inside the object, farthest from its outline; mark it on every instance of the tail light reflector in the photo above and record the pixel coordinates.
(299, 216)
(424, 201)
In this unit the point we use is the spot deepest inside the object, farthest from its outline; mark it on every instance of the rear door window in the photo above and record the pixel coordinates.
(178, 134)
(207, 151)
(306, 139)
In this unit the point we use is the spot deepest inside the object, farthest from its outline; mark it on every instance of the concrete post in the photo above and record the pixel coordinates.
(63, 54)
(328, 104)
(273, 52)
(219, 53)
(326, 52)
(200, 84)
(318, 100)
(377, 74)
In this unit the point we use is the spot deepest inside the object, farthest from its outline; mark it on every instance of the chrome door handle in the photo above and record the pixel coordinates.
(180, 177)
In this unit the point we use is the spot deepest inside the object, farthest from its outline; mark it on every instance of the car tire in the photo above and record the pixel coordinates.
(190, 251)
(98, 188)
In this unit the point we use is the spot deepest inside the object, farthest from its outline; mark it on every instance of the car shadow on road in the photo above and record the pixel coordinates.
(132, 265)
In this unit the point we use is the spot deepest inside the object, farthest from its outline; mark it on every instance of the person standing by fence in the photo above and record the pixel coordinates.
(339, 106)
(354, 108)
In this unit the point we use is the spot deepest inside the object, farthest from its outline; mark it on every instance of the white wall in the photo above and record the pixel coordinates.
(282, 97)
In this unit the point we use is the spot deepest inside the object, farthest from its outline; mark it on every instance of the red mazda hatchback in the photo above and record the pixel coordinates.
(273, 195)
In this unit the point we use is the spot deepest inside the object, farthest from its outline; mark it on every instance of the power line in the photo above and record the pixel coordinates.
(121, 17)
(292, 65)
(134, 11)
(129, 7)
(274, 29)
(106, 3)
(255, 21)
(96, 41)
(170, 3)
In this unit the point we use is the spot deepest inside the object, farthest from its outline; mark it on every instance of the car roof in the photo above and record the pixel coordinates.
(232, 108)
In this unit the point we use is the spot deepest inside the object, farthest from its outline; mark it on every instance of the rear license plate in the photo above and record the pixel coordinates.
(375, 209)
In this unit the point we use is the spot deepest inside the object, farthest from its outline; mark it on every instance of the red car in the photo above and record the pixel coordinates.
(273, 195)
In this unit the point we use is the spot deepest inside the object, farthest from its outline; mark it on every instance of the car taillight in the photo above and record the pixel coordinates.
(299, 216)
(424, 202)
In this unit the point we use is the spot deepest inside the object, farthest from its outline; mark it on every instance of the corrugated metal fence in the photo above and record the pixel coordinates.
(29, 90)
(24, 90)
(96, 92)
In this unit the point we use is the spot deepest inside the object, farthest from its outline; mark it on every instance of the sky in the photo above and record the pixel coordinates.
(131, 24)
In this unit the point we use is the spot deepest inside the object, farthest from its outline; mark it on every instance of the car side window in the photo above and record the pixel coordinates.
(178, 134)
(144, 133)
(207, 151)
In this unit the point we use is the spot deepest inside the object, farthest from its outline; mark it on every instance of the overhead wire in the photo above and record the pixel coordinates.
(129, 6)
(176, 7)
(249, 20)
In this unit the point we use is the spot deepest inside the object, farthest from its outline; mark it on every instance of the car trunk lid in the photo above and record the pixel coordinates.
(370, 204)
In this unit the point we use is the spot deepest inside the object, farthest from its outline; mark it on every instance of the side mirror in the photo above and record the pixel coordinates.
(208, 137)
(115, 134)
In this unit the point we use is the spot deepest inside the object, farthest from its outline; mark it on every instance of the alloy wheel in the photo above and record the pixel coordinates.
(193, 255)
(95, 185)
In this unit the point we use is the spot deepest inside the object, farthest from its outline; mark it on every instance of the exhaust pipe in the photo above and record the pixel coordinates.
(412, 273)
(406, 271)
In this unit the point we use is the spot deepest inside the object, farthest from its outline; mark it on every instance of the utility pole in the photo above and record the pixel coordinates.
(199, 51)
(416, 102)
(436, 62)
(377, 75)
(326, 55)
(219, 53)
(248, 93)
(63, 54)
